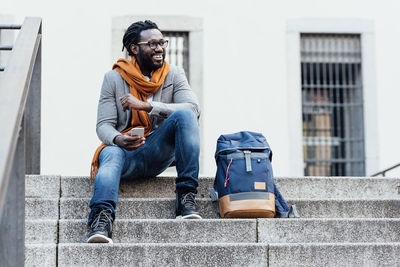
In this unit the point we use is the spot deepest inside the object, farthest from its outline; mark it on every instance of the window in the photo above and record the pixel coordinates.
(178, 49)
(332, 105)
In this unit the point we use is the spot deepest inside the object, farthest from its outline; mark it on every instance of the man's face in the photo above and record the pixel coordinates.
(150, 59)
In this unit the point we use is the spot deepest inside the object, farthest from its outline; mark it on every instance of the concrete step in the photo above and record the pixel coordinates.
(241, 231)
(339, 187)
(328, 230)
(176, 254)
(361, 254)
(164, 208)
(140, 188)
(41, 208)
(374, 254)
(168, 231)
(41, 231)
(345, 221)
(344, 208)
(40, 186)
(135, 208)
(295, 188)
(40, 255)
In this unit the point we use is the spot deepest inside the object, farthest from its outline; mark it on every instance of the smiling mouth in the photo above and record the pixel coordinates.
(158, 57)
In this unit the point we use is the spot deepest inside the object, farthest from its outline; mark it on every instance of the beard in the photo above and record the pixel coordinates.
(147, 60)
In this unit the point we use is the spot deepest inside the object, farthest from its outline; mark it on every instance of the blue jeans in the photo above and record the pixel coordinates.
(177, 138)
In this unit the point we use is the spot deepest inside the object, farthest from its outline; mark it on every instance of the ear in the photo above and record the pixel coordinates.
(135, 49)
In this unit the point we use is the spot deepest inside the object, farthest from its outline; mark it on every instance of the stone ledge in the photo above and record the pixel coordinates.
(41, 208)
(176, 254)
(361, 254)
(47, 186)
(40, 255)
(164, 208)
(328, 230)
(168, 231)
(290, 187)
(41, 231)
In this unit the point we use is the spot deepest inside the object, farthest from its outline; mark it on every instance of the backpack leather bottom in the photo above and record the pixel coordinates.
(255, 207)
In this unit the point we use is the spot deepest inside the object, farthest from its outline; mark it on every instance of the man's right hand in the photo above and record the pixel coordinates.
(129, 142)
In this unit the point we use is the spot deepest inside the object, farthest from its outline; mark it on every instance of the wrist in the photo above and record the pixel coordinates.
(116, 139)
(147, 107)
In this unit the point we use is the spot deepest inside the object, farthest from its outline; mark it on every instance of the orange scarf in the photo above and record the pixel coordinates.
(140, 88)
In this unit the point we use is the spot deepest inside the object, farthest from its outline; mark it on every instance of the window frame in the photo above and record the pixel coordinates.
(365, 28)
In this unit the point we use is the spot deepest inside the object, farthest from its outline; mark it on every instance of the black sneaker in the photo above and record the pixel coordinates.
(101, 228)
(186, 206)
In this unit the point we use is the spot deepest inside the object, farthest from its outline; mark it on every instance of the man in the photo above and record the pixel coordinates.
(144, 92)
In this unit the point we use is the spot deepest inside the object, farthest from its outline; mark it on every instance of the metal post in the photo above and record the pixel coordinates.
(12, 224)
(32, 118)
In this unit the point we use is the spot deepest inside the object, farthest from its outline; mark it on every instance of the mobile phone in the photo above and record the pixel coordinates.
(137, 131)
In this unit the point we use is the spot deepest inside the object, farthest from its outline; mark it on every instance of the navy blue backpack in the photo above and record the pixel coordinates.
(244, 184)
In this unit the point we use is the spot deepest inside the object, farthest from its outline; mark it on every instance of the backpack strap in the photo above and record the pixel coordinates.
(213, 191)
(213, 195)
(247, 157)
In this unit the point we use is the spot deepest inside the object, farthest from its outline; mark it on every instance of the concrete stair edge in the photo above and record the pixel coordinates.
(184, 254)
(167, 231)
(232, 230)
(340, 254)
(40, 255)
(41, 208)
(136, 208)
(293, 187)
(344, 230)
(41, 231)
(226, 254)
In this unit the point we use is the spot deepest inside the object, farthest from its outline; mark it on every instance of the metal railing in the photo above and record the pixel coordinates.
(383, 172)
(20, 97)
(7, 47)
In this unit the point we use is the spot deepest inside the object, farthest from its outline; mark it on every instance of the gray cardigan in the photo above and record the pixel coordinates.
(175, 93)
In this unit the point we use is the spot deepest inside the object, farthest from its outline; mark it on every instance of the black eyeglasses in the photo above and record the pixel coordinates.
(154, 44)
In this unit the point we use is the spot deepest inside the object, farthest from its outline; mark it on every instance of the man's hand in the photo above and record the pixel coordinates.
(129, 101)
(129, 142)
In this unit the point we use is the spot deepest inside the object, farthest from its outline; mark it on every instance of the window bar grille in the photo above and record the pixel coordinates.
(331, 84)
(337, 100)
(358, 85)
(178, 49)
(332, 105)
(345, 120)
(326, 154)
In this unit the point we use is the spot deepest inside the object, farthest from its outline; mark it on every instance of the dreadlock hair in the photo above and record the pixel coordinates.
(132, 34)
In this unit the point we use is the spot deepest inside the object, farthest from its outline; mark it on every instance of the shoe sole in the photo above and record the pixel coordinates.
(190, 216)
(99, 239)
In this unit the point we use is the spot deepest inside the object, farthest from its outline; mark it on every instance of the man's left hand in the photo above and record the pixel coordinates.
(129, 101)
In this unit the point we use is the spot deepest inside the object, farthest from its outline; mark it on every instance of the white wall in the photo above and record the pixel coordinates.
(245, 69)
